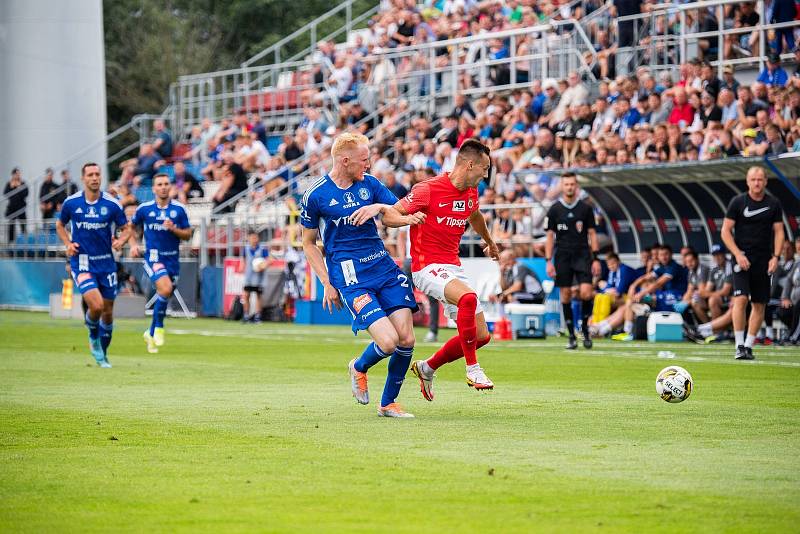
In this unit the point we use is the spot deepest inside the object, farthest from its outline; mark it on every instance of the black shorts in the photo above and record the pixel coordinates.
(253, 289)
(754, 282)
(573, 267)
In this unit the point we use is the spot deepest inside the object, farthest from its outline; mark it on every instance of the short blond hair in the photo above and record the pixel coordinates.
(348, 141)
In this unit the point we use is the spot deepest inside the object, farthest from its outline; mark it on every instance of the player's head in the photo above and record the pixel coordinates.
(473, 161)
(612, 260)
(507, 258)
(690, 259)
(350, 152)
(569, 186)
(252, 238)
(161, 186)
(756, 180)
(664, 254)
(90, 174)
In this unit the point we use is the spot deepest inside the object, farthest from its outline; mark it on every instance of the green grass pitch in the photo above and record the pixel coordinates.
(253, 429)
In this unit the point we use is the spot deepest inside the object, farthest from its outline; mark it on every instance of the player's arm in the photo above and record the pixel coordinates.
(727, 238)
(548, 253)
(478, 224)
(181, 233)
(391, 217)
(124, 236)
(597, 269)
(777, 232)
(63, 235)
(317, 262)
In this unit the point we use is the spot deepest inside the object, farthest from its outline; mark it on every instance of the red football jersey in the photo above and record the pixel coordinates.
(448, 211)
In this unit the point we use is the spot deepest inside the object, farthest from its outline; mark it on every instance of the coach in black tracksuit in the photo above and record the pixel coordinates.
(571, 231)
(756, 217)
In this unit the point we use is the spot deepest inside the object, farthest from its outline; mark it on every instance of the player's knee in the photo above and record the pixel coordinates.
(468, 302)
(482, 341)
(407, 339)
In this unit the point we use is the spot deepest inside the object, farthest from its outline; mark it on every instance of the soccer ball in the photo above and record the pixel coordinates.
(259, 264)
(674, 384)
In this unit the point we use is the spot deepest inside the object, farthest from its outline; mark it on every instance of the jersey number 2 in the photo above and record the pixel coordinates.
(403, 280)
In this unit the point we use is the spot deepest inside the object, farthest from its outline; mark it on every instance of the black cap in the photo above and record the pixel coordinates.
(716, 248)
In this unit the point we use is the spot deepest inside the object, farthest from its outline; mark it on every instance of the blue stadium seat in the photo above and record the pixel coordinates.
(144, 194)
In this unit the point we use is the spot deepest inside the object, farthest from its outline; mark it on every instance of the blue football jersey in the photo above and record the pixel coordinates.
(92, 229)
(354, 254)
(161, 245)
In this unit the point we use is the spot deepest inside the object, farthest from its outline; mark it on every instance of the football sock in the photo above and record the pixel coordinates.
(705, 330)
(371, 355)
(749, 341)
(451, 351)
(467, 330)
(769, 331)
(628, 327)
(159, 311)
(105, 334)
(93, 326)
(603, 328)
(586, 311)
(398, 365)
(738, 335)
(566, 307)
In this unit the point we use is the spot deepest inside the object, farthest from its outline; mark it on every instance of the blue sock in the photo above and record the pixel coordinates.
(92, 326)
(105, 335)
(398, 366)
(371, 355)
(159, 311)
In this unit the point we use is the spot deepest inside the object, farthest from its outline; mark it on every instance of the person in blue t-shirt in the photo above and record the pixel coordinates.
(165, 224)
(357, 271)
(94, 216)
(619, 279)
(662, 289)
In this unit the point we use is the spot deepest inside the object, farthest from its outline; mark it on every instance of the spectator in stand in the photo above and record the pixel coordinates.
(145, 166)
(463, 107)
(773, 74)
(729, 81)
(16, 194)
(163, 139)
(784, 11)
(682, 112)
(185, 186)
(233, 183)
(47, 195)
(66, 189)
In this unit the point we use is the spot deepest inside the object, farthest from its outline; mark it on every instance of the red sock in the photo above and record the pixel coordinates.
(451, 351)
(467, 330)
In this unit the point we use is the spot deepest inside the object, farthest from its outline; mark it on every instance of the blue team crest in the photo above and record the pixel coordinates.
(103, 210)
(348, 197)
(173, 214)
(363, 194)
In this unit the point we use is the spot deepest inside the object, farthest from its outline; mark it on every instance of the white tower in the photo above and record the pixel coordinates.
(52, 87)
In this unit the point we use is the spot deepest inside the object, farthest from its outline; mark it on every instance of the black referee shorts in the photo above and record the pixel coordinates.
(754, 282)
(572, 267)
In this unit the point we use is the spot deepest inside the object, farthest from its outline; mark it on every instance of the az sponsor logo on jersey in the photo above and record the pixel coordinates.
(459, 205)
(451, 221)
(83, 225)
(156, 227)
(360, 301)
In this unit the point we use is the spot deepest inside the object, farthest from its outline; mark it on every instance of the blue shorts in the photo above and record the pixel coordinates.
(105, 282)
(369, 301)
(666, 300)
(156, 270)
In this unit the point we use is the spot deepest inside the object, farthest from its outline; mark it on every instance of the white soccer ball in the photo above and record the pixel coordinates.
(674, 384)
(259, 264)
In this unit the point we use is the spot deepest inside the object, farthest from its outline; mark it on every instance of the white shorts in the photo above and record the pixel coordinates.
(432, 280)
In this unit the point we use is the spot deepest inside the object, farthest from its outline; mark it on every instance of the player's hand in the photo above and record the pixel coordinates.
(742, 261)
(117, 244)
(331, 299)
(169, 225)
(416, 218)
(364, 214)
(492, 251)
(551, 270)
(597, 269)
(772, 266)
(135, 251)
(72, 249)
(786, 303)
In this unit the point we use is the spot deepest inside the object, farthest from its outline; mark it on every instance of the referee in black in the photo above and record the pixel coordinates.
(571, 233)
(753, 232)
